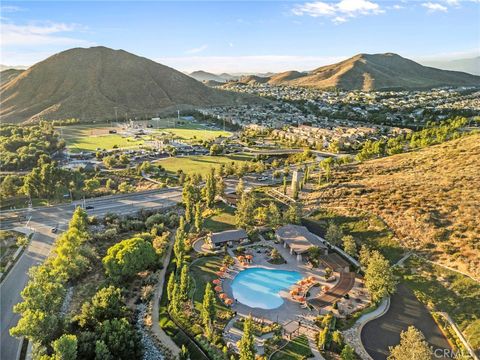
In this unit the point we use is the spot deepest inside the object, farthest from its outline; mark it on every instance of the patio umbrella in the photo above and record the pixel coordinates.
(219, 273)
(228, 301)
(218, 288)
(240, 258)
(249, 257)
(223, 296)
(223, 268)
(311, 278)
(217, 281)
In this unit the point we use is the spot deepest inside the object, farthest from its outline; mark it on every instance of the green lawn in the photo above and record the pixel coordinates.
(296, 349)
(186, 130)
(444, 290)
(223, 219)
(200, 164)
(365, 229)
(203, 272)
(89, 137)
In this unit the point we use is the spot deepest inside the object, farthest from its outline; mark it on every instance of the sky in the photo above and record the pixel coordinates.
(242, 36)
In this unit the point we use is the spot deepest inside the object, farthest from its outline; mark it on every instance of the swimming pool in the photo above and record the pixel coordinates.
(259, 287)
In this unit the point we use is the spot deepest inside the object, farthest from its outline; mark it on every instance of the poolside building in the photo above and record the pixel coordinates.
(298, 239)
(229, 237)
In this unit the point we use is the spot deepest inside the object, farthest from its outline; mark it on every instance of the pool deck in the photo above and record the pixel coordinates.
(290, 309)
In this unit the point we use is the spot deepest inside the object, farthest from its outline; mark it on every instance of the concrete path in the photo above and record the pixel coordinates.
(352, 335)
(156, 329)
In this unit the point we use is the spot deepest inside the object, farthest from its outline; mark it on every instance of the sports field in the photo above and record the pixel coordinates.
(185, 129)
(89, 137)
(200, 164)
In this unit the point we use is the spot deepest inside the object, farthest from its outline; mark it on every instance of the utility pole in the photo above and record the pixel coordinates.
(116, 115)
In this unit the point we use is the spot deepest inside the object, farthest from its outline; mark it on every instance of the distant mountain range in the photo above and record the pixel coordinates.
(15, 67)
(470, 65)
(91, 83)
(205, 76)
(370, 72)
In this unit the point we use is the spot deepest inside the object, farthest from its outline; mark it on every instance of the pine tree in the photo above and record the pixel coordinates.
(210, 188)
(379, 278)
(198, 218)
(175, 302)
(246, 346)
(179, 245)
(207, 313)
(170, 285)
(412, 346)
(184, 282)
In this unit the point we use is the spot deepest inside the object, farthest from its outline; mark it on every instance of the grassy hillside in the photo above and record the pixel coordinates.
(429, 198)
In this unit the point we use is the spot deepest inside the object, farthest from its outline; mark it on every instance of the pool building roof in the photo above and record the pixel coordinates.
(298, 238)
(228, 235)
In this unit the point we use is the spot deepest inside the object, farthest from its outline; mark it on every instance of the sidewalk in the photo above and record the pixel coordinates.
(156, 329)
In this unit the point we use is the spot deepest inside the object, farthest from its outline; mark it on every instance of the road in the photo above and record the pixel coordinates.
(405, 310)
(43, 219)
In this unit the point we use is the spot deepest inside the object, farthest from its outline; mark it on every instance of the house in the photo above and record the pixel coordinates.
(298, 239)
(228, 237)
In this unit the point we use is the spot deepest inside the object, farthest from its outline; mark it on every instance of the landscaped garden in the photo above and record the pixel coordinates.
(222, 218)
(296, 349)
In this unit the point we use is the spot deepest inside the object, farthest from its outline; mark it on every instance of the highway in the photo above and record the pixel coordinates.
(43, 219)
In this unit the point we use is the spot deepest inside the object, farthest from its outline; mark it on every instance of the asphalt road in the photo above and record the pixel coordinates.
(405, 310)
(42, 220)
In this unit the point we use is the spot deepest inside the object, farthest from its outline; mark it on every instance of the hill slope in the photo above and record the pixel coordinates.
(429, 197)
(88, 84)
(374, 72)
(9, 74)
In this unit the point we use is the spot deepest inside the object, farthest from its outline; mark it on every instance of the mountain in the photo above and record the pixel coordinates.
(9, 74)
(471, 65)
(89, 83)
(202, 76)
(372, 72)
(15, 67)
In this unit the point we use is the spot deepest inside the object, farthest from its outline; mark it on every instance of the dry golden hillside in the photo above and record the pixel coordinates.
(430, 198)
(371, 72)
(89, 84)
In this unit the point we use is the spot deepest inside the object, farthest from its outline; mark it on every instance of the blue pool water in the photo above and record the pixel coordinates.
(259, 287)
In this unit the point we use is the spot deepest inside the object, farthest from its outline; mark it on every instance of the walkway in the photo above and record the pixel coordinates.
(352, 335)
(344, 285)
(156, 329)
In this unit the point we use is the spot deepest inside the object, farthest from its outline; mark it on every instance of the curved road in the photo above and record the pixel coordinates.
(405, 310)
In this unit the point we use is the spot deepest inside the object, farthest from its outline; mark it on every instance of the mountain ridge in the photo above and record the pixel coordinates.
(89, 83)
(368, 72)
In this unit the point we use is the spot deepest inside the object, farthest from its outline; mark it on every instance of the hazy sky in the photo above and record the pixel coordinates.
(256, 36)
